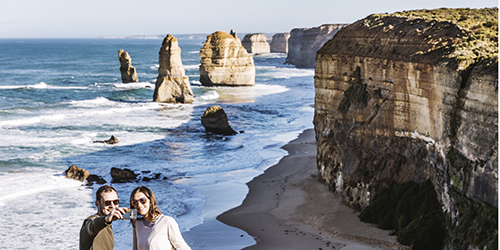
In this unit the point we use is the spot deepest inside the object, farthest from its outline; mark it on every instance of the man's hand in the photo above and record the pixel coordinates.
(115, 214)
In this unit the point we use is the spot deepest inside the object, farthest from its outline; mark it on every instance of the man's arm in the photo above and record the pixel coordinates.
(94, 225)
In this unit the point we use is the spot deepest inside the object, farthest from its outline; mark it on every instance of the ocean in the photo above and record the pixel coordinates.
(57, 96)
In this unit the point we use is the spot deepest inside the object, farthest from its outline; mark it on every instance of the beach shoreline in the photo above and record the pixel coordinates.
(287, 207)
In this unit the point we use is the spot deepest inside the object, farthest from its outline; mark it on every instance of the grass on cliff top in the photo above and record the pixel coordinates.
(481, 43)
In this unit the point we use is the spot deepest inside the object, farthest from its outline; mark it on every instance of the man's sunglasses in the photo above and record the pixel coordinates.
(143, 201)
(116, 202)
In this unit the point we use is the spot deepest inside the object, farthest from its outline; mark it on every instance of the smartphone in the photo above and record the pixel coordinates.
(131, 214)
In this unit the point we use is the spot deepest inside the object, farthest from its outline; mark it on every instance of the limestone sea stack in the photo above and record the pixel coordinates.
(279, 44)
(126, 69)
(304, 43)
(413, 97)
(225, 62)
(172, 85)
(256, 44)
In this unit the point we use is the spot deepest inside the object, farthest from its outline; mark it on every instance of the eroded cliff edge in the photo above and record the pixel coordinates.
(411, 96)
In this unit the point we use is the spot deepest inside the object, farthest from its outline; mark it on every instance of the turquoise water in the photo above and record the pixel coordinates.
(57, 96)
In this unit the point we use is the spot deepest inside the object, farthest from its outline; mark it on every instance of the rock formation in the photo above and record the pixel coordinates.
(398, 99)
(256, 44)
(76, 173)
(111, 141)
(126, 69)
(215, 120)
(279, 43)
(122, 175)
(171, 85)
(225, 62)
(306, 42)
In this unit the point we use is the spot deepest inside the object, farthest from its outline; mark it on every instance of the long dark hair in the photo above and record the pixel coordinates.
(153, 205)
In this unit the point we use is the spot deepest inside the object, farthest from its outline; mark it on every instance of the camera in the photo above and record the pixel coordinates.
(131, 214)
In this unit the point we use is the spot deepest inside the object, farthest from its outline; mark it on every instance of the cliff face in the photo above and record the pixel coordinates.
(304, 43)
(256, 43)
(171, 85)
(391, 108)
(225, 62)
(279, 43)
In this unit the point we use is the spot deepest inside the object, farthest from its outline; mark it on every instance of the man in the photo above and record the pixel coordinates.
(96, 232)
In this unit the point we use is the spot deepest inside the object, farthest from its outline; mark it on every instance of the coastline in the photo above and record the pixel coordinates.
(287, 207)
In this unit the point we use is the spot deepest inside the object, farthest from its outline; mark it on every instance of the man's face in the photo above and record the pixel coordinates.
(109, 197)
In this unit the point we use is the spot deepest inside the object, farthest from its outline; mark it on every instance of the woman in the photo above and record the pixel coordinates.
(155, 230)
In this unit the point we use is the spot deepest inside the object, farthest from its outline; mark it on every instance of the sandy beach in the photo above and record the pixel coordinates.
(288, 207)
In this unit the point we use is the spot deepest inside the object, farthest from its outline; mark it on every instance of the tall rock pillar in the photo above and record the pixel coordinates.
(126, 69)
(172, 85)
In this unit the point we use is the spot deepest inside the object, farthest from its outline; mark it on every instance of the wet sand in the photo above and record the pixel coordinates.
(288, 207)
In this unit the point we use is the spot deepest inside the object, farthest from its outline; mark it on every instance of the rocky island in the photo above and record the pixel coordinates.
(127, 71)
(225, 62)
(256, 43)
(406, 121)
(279, 43)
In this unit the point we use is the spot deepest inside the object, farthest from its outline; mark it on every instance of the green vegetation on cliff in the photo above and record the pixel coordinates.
(478, 45)
(413, 211)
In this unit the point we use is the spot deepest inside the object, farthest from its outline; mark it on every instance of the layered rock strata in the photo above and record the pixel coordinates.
(304, 43)
(225, 62)
(172, 85)
(395, 104)
(256, 44)
(279, 44)
(126, 69)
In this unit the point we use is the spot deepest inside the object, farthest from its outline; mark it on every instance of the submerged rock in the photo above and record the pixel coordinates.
(172, 85)
(127, 70)
(225, 62)
(215, 120)
(112, 140)
(256, 43)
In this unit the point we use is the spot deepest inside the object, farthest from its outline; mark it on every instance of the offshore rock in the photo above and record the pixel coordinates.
(126, 69)
(279, 44)
(111, 141)
(122, 175)
(304, 43)
(215, 120)
(256, 44)
(172, 85)
(76, 173)
(225, 62)
(394, 103)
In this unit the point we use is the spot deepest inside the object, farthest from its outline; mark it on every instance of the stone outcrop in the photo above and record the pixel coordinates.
(279, 44)
(225, 62)
(304, 43)
(256, 44)
(126, 69)
(215, 120)
(172, 85)
(395, 104)
(122, 175)
(111, 141)
(76, 173)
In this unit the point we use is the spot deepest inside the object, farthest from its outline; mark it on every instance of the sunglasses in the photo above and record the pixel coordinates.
(116, 202)
(142, 200)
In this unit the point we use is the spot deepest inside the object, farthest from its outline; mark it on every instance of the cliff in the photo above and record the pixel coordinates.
(412, 96)
(304, 43)
(172, 85)
(279, 43)
(126, 69)
(256, 44)
(225, 62)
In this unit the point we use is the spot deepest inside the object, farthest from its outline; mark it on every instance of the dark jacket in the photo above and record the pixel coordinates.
(96, 234)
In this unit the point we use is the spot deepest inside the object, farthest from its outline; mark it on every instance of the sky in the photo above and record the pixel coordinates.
(98, 18)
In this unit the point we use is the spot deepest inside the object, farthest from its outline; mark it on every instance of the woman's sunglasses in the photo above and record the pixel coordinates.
(116, 202)
(143, 201)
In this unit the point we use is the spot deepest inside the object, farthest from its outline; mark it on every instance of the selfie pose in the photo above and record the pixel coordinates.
(154, 230)
(96, 231)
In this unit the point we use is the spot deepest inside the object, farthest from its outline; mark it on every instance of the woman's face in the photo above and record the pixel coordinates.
(141, 203)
